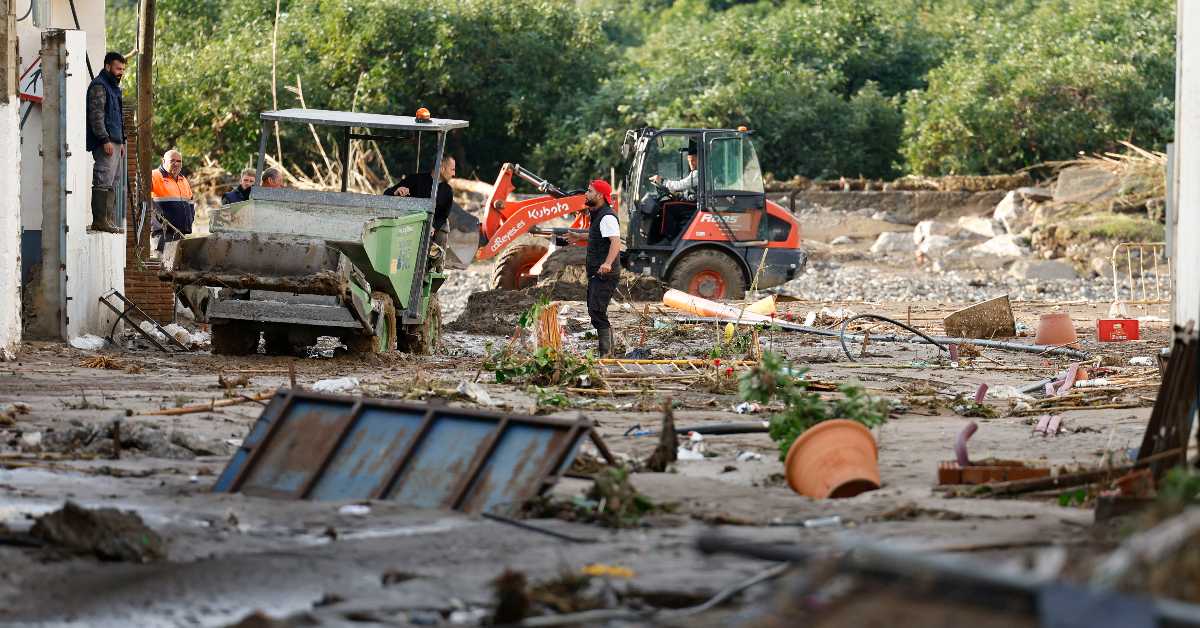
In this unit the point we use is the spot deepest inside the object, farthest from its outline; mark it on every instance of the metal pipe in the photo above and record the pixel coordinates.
(937, 340)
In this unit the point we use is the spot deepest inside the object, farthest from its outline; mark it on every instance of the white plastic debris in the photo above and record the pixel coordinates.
(810, 318)
(341, 384)
(693, 450)
(354, 510)
(31, 440)
(1008, 392)
(1142, 360)
(149, 329)
(476, 393)
(1092, 383)
(823, 522)
(202, 338)
(88, 342)
(179, 333)
(746, 407)
(747, 456)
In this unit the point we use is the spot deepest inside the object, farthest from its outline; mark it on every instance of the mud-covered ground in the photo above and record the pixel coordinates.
(228, 556)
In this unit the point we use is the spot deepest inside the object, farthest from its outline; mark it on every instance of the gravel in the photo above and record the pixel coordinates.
(459, 285)
(831, 281)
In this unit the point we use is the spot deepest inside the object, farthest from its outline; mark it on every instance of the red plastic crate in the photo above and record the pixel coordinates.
(1117, 329)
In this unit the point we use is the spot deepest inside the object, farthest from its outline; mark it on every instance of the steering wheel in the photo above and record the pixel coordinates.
(663, 192)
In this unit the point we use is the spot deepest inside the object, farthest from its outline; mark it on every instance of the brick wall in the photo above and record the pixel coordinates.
(142, 285)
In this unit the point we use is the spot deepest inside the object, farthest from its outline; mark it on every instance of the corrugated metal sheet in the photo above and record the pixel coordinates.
(332, 447)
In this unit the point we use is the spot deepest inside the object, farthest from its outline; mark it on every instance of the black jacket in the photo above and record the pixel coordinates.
(236, 195)
(419, 185)
(104, 122)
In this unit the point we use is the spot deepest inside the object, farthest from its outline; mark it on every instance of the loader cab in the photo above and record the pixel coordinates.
(727, 196)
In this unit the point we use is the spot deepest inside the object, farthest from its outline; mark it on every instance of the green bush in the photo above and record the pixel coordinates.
(831, 87)
(1067, 77)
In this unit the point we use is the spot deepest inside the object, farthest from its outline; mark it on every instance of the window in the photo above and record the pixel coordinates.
(733, 165)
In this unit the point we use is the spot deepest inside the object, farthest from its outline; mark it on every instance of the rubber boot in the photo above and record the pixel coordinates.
(605, 336)
(103, 202)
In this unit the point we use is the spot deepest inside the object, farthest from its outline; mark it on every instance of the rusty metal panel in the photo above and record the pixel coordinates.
(330, 447)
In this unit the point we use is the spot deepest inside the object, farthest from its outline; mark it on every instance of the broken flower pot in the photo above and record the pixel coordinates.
(832, 459)
(1056, 329)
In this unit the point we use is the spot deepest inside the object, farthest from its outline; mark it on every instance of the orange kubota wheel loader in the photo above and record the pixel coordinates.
(710, 232)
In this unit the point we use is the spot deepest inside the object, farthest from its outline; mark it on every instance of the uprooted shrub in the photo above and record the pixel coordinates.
(775, 378)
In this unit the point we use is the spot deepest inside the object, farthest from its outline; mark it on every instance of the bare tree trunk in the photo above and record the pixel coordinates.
(274, 90)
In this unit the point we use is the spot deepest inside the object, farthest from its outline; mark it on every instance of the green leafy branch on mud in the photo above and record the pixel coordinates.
(775, 378)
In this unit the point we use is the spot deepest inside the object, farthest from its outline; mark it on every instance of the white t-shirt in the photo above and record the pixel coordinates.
(609, 227)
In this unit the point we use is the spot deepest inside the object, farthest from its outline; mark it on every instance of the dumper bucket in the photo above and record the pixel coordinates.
(261, 262)
(463, 240)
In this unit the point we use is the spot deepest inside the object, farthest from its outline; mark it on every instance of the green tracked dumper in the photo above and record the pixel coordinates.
(293, 265)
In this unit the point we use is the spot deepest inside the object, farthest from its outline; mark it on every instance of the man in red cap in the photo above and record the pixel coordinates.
(603, 249)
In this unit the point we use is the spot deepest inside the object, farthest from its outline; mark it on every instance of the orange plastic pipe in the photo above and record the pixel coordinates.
(683, 301)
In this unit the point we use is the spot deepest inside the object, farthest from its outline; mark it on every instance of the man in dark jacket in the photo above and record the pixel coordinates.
(106, 140)
(242, 191)
(420, 185)
(603, 268)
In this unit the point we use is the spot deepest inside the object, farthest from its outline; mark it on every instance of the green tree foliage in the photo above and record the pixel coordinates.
(1065, 77)
(831, 87)
(502, 64)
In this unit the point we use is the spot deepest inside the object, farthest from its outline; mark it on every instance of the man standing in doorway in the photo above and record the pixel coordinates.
(172, 195)
(603, 249)
(106, 140)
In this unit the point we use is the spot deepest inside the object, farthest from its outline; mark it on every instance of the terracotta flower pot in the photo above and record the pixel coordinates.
(834, 458)
(1056, 329)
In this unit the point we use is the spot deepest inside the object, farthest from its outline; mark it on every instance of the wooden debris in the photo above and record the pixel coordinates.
(210, 406)
(102, 362)
(989, 319)
(668, 442)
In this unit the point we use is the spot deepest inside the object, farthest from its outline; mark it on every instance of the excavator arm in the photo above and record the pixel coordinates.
(504, 222)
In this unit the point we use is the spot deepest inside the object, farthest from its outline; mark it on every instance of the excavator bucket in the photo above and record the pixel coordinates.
(463, 240)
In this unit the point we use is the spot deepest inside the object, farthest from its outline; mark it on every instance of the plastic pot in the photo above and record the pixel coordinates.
(1056, 329)
(833, 459)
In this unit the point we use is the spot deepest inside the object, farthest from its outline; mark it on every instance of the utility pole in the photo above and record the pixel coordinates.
(8, 55)
(145, 95)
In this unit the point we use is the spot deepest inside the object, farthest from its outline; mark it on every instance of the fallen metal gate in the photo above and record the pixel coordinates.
(1151, 283)
(335, 447)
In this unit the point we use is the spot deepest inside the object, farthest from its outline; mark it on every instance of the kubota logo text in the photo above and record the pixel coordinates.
(549, 211)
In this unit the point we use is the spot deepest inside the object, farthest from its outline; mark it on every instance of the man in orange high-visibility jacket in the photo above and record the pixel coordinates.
(172, 195)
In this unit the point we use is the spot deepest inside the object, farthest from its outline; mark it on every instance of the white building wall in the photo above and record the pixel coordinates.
(10, 228)
(29, 43)
(95, 260)
(1187, 168)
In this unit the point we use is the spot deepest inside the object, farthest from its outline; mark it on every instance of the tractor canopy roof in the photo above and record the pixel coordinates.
(361, 120)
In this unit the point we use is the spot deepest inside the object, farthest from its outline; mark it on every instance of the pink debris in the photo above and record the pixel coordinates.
(1053, 427)
(1042, 425)
(1068, 380)
(953, 352)
(981, 393)
(960, 444)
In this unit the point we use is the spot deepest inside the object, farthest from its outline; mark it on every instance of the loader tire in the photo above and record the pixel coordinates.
(381, 342)
(234, 338)
(566, 263)
(511, 270)
(709, 274)
(423, 339)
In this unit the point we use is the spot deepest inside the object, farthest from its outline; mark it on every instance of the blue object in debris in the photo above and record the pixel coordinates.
(334, 447)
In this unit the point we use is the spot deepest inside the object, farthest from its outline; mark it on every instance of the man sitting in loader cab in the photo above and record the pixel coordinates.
(686, 185)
